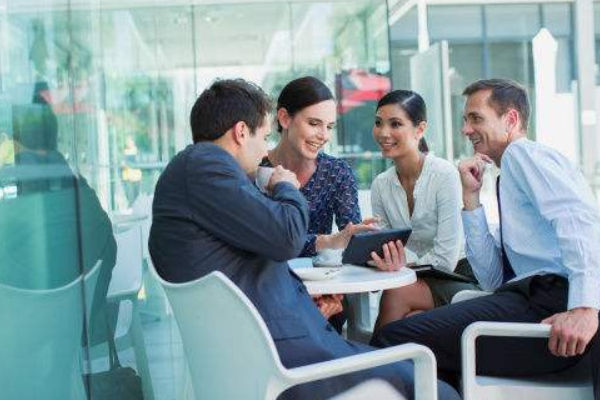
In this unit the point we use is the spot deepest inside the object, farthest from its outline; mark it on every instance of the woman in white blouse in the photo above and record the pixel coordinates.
(421, 192)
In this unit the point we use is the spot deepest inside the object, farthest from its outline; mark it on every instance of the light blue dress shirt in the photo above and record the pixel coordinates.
(550, 224)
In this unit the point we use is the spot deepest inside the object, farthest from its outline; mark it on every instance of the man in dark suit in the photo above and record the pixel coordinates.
(208, 215)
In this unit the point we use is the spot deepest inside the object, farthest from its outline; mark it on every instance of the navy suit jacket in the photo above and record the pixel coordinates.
(208, 215)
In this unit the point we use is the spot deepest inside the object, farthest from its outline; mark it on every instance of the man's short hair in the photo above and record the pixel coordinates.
(225, 103)
(505, 94)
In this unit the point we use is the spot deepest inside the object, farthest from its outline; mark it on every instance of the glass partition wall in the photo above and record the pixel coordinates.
(495, 39)
(488, 40)
(94, 101)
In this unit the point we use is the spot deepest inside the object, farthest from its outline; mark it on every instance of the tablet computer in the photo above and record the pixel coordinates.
(362, 244)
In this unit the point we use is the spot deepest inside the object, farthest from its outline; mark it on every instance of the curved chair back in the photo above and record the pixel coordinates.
(127, 275)
(143, 206)
(229, 350)
(90, 283)
(40, 339)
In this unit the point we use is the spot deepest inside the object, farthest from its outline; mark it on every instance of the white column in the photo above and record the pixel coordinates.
(423, 33)
(584, 35)
(552, 130)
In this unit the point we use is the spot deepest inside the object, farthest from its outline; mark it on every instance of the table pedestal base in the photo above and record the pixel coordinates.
(359, 327)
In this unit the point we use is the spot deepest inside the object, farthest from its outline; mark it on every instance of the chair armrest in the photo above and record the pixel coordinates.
(468, 295)
(424, 364)
(506, 329)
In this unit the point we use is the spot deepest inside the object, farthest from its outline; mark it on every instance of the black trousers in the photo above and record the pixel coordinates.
(528, 300)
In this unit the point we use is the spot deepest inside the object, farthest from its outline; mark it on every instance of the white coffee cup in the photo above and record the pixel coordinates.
(328, 258)
(263, 176)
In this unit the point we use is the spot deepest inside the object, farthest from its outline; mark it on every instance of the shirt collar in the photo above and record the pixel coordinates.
(424, 172)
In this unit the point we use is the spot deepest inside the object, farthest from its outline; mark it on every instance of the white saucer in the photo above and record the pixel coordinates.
(317, 274)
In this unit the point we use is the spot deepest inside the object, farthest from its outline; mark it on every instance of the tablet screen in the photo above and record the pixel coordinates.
(361, 245)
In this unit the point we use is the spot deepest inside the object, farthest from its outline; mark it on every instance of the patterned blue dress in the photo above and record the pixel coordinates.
(331, 191)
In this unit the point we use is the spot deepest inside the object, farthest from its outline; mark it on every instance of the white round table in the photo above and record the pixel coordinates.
(357, 282)
(354, 279)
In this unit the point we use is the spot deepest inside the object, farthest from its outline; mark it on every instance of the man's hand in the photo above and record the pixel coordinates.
(281, 174)
(340, 239)
(329, 305)
(471, 176)
(572, 331)
(393, 257)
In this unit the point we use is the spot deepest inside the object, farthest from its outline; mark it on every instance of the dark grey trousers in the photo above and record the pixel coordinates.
(529, 300)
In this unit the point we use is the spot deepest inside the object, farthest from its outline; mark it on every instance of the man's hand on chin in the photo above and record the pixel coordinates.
(572, 331)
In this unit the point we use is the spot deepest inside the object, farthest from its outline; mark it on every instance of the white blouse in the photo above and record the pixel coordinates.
(437, 233)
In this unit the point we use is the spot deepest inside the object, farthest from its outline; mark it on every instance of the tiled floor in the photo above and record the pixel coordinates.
(165, 357)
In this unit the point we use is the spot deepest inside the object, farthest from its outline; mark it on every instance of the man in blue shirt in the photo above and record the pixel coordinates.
(544, 264)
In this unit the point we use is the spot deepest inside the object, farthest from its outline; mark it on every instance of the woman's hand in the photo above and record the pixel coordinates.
(393, 259)
(340, 239)
(329, 305)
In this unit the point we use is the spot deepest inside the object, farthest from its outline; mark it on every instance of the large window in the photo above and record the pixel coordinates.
(487, 40)
(490, 40)
(343, 43)
(94, 101)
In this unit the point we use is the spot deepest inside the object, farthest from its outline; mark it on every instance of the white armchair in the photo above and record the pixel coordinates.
(468, 295)
(212, 311)
(40, 339)
(572, 384)
(126, 282)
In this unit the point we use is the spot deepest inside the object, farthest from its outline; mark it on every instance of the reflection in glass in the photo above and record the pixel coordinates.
(104, 93)
(54, 233)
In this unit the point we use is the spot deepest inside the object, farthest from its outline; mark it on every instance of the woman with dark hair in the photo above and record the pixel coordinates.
(306, 115)
(421, 192)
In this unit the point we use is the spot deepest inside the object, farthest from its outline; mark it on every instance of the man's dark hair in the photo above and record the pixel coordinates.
(505, 94)
(301, 93)
(225, 103)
